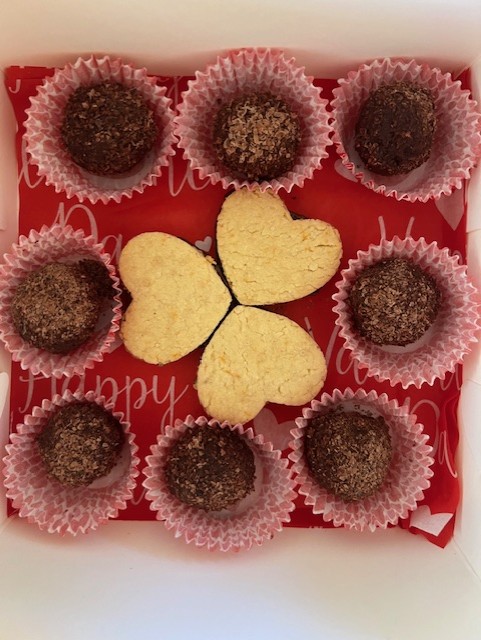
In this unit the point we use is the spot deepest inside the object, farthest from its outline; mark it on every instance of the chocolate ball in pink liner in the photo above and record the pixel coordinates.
(257, 136)
(108, 128)
(80, 443)
(396, 127)
(348, 453)
(210, 468)
(394, 302)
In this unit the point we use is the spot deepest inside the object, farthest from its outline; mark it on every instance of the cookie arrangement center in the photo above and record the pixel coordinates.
(179, 302)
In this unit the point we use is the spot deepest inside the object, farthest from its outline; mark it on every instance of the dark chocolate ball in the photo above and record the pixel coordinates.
(257, 136)
(396, 127)
(80, 443)
(98, 275)
(394, 302)
(348, 453)
(108, 128)
(210, 468)
(57, 307)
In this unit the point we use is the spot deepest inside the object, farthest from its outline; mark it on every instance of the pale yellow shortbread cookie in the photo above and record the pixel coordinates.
(178, 298)
(268, 257)
(256, 357)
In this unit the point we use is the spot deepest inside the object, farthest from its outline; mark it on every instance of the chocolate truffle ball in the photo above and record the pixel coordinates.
(98, 275)
(394, 302)
(57, 307)
(210, 468)
(396, 127)
(108, 128)
(80, 443)
(348, 453)
(257, 136)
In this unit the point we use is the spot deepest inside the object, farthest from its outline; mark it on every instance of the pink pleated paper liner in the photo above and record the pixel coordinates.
(444, 345)
(44, 120)
(50, 505)
(240, 72)
(56, 244)
(457, 144)
(408, 477)
(253, 521)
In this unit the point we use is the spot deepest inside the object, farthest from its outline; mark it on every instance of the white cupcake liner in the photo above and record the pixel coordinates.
(44, 120)
(457, 143)
(240, 72)
(56, 244)
(253, 521)
(444, 345)
(47, 503)
(408, 476)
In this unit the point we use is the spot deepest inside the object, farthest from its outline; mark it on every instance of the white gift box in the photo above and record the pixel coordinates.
(133, 580)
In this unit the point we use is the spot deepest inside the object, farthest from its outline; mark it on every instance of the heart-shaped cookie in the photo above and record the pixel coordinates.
(268, 257)
(178, 298)
(256, 357)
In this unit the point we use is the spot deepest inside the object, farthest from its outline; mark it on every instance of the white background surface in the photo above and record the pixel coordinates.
(129, 583)
(133, 580)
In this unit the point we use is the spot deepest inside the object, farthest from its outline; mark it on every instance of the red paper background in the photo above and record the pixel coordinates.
(185, 206)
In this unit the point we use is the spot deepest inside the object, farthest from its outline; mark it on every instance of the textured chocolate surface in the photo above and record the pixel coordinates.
(394, 302)
(257, 136)
(396, 127)
(97, 273)
(57, 307)
(348, 453)
(80, 443)
(108, 128)
(210, 468)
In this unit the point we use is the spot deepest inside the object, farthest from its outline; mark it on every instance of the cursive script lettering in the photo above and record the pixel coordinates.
(63, 217)
(132, 393)
(441, 449)
(85, 215)
(16, 87)
(382, 227)
(189, 178)
(24, 173)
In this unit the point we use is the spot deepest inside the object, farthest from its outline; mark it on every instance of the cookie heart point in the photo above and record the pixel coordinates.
(256, 357)
(178, 298)
(267, 256)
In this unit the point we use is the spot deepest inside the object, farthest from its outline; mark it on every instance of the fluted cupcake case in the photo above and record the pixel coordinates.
(457, 143)
(444, 345)
(251, 522)
(249, 71)
(408, 476)
(56, 244)
(44, 120)
(47, 503)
